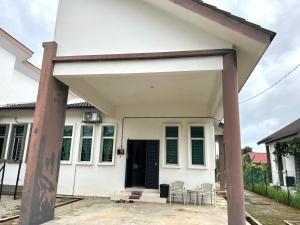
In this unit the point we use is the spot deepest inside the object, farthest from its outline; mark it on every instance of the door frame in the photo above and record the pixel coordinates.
(128, 184)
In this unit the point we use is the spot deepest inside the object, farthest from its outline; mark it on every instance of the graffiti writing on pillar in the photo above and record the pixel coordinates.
(47, 197)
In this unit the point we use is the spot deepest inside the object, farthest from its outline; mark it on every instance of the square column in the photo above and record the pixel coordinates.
(40, 185)
(232, 141)
(222, 162)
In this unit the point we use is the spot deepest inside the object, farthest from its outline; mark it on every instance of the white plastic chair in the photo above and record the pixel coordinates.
(207, 190)
(177, 189)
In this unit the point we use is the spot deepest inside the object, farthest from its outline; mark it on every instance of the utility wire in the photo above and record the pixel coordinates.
(273, 85)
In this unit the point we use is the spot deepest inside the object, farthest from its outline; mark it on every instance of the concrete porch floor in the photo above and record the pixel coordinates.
(103, 211)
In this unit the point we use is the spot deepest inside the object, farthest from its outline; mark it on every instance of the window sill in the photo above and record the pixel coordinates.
(84, 163)
(65, 163)
(9, 161)
(106, 164)
(166, 166)
(197, 167)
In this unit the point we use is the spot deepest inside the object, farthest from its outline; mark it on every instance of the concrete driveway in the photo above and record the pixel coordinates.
(103, 211)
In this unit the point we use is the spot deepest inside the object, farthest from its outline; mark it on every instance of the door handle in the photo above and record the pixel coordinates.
(155, 164)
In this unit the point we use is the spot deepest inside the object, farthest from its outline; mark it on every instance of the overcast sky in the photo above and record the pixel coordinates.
(33, 21)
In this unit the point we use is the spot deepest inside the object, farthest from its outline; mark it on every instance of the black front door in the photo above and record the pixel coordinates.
(142, 165)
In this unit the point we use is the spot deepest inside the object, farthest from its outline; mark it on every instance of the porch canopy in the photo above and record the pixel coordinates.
(182, 44)
(147, 55)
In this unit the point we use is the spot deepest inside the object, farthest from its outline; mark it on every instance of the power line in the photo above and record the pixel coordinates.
(273, 85)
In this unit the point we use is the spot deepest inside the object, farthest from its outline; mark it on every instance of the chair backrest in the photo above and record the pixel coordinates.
(177, 185)
(207, 187)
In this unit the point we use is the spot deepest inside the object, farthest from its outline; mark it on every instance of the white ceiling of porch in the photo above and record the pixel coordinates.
(198, 88)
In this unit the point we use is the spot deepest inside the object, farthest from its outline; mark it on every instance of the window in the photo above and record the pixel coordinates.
(197, 145)
(67, 142)
(86, 143)
(171, 144)
(107, 143)
(3, 140)
(18, 136)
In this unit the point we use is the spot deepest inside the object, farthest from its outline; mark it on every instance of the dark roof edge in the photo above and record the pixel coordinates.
(289, 130)
(227, 19)
(31, 106)
(270, 140)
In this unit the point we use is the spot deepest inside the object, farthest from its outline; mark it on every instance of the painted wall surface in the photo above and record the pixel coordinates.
(288, 167)
(97, 179)
(117, 26)
(7, 65)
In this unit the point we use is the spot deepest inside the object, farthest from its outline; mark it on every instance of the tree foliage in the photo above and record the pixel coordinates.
(283, 149)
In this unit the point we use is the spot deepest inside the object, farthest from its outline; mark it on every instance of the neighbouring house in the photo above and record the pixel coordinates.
(19, 79)
(284, 166)
(258, 157)
(163, 74)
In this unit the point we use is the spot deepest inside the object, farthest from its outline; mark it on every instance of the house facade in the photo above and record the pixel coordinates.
(91, 161)
(163, 74)
(287, 165)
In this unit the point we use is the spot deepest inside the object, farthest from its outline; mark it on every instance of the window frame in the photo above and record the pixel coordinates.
(68, 162)
(5, 142)
(205, 151)
(11, 141)
(79, 162)
(164, 147)
(29, 133)
(104, 163)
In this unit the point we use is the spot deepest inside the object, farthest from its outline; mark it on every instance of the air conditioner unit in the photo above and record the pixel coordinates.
(92, 117)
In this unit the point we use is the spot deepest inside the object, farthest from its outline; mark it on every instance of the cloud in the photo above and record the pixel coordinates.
(32, 22)
(279, 106)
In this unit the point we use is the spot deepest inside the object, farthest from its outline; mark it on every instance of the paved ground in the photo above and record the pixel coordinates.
(103, 211)
(8, 206)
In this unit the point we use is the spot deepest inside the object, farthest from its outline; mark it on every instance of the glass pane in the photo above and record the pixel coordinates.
(2, 131)
(87, 131)
(171, 131)
(108, 131)
(197, 132)
(66, 148)
(107, 150)
(197, 152)
(68, 131)
(16, 154)
(1, 146)
(86, 150)
(19, 130)
(172, 147)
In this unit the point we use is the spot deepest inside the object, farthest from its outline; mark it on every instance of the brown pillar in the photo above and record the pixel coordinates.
(40, 185)
(222, 162)
(232, 140)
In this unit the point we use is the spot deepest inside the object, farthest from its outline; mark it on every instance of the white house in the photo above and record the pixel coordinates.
(19, 79)
(284, 166)
(163, 74)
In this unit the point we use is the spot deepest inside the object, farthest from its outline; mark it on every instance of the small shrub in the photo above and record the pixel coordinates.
(278, 194)
(295, 201)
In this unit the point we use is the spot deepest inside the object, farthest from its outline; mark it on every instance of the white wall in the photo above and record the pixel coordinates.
(131, 26)
(104, 180)
(274, 167)
(288, 166)
(7, 65)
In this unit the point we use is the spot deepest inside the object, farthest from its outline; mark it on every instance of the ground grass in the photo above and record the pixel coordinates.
(277, 194)
(270, 213)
